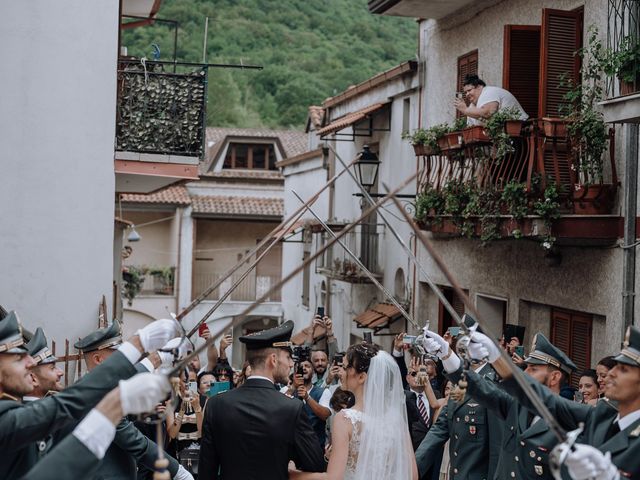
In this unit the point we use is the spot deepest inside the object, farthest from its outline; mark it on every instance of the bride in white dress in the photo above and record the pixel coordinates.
(370, 441)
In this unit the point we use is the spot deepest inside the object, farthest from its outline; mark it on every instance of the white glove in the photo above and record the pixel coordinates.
(142, 392)
(435, 344)
(157, 334)
(183, 345)
(481, 347)
(183, 474)
(586, 462)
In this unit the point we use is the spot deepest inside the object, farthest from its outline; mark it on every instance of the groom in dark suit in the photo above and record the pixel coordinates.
(253, 431)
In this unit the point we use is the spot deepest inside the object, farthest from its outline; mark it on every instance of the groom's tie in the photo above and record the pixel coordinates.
(423, 410)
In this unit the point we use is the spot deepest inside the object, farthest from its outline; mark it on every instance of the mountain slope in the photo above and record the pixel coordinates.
(310, 50)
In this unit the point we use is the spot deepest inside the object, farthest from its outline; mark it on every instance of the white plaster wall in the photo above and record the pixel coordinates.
(397, 163)
(57, 127)
(305, 179)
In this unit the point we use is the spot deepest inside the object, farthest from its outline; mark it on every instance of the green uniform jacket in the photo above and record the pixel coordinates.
(624, 446)
(525, 445)
(474, 435)
(23, 424)
(130, 447)
(71, 459)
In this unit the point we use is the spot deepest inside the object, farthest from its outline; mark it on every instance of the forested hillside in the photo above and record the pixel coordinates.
(310, 50)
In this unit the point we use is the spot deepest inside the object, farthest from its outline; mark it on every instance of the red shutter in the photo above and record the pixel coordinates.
(444, 317)
(521, 65)
(571, 333)
(467, 65)
(561, 38)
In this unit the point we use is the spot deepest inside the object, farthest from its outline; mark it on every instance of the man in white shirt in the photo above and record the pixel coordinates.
(484, 101)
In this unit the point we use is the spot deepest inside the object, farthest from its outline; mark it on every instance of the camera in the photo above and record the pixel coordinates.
(300, 354)
(338, 358)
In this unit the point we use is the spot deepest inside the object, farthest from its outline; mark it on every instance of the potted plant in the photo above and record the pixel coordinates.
(430, 203)
(133, 278)
(454, 138)
(624, 64)
(588, 132)
(425, 142)
(475, 134)
(553, 127)
(162, 280)
(496, 130)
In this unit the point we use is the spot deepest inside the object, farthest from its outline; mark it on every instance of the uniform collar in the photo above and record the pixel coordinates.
(260, 377)
(627, 420)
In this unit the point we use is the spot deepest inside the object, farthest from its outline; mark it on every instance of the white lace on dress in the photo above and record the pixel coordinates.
(355, 416)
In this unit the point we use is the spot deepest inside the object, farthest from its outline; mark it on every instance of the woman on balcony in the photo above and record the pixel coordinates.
(484, 101)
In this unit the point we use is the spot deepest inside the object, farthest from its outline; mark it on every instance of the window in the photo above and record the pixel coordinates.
(306, 280)
(571, 333)
(445, 320)
(406, 115)
(258, 156)
(493, 310)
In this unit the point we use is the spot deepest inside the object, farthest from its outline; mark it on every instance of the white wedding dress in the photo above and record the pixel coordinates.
(380, 446)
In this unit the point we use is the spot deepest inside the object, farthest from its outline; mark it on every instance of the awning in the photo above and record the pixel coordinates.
(378, 317)
(351, 119)
(318, 334)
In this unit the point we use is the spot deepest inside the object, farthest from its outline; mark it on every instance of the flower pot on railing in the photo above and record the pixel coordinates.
(627, 88)
(454, 140)
(513, 128)
(597, 199)
(443, 144)
(476, 134)
(554, 127)
(420, 149)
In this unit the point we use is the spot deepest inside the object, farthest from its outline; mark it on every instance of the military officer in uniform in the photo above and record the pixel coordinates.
(45, 374)
(253, 432)
(80, 453)
(606, 429)
(22, 424)
(526, 439)
(474, 434)
(129, 446)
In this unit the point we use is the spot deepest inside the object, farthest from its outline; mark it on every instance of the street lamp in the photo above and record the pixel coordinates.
(367, 164)
(133, 235)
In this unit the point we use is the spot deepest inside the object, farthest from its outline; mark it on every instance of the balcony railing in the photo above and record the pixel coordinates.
(541, 156)
(336, 262)
(623, 40)
(161, 111)
(249, 290)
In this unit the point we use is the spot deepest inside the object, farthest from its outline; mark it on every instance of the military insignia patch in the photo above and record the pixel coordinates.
(635, 432)
(472, 429)
(538, 469)
(466, 418)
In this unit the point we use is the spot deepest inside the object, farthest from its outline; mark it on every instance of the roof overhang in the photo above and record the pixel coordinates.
(144, 10)
(379, 317)
(352, 119)
(435, 9)
(145, 177)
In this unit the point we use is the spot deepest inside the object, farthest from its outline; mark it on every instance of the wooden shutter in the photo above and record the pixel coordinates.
(571, 333)
(521, 65)
(467, 65)
(561, 37)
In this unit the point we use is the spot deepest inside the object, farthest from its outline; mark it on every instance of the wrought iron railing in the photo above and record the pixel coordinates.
(363, 241)
(161, 108)
(623, 41)
(541, 154)
(249, 290)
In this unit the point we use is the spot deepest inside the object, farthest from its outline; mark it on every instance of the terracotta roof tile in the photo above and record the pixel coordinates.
(238, 206)
(236, 173)
(350, 119)
(173, 195)
(316, 115)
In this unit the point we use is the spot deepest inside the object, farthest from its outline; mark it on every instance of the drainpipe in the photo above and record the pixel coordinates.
(630, 214)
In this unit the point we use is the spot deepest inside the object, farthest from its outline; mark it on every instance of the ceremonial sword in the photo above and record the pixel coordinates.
(239, 319)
